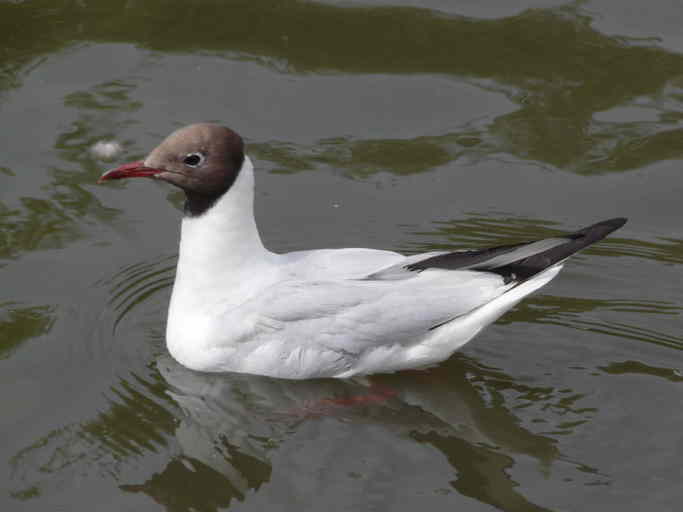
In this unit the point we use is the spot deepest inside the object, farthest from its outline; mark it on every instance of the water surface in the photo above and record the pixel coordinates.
(396, 124)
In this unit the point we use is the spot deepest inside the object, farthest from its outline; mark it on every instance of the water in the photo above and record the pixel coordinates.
(393, 125)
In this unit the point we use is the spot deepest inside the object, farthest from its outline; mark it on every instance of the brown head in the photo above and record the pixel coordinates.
(203, 159)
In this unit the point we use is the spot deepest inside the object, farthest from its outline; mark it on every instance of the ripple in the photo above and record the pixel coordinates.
(135, 284)
(631, 332)
(575, 313)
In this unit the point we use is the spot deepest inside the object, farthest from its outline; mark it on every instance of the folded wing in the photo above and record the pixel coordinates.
(333, 327)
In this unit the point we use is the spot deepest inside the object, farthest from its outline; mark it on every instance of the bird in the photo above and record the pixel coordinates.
(239, 307)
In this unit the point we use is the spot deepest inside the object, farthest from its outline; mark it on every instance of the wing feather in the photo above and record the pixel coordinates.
(354, 316)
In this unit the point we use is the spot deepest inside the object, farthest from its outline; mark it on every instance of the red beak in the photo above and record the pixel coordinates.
(131, 170)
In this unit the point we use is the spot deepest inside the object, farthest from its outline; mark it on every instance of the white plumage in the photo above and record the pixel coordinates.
(238, 307)
(327, 313)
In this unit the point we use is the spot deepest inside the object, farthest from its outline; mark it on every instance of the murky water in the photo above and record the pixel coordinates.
(399, 125)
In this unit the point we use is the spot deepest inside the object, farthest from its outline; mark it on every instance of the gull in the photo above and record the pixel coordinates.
(238, 307)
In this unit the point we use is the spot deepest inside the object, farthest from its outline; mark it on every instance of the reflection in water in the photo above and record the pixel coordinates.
(232, 426)
(219, 438)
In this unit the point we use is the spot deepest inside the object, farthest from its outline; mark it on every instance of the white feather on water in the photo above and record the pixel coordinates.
(106, 149)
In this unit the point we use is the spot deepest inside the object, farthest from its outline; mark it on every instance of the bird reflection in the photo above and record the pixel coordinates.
(238, 432)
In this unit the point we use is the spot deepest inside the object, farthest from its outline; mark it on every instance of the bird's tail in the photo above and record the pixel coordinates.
(520, 262)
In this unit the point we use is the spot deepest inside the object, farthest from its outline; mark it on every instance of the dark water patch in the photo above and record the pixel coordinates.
(363, 158)
(20, 323)
(137, 419)
(286, 158)
(42, 224)
(35, 224)
(609, 148)
(113, 95)
(211, 490)
(486, 478)
(628, 145)
(563, 410)
(491, 396)
(640, 368)
(538, 46)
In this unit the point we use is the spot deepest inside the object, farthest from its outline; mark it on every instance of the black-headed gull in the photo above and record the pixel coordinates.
(324, 313)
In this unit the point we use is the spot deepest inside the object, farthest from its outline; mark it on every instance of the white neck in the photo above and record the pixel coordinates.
(219, 249)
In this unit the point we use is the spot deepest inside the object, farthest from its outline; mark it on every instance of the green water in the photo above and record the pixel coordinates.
(399, 125)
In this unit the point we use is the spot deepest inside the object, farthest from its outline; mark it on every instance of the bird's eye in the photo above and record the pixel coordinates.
(193, 159)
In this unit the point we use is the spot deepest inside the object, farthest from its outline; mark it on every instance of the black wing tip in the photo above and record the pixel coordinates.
(599, 230)
(614, 223)
(525, 267)
(532, 265)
